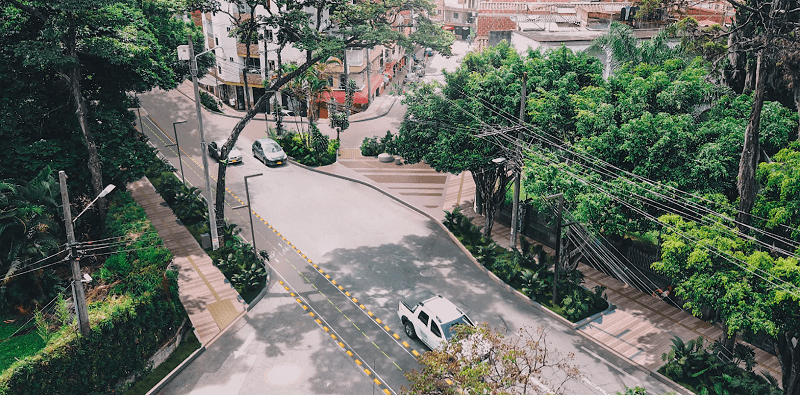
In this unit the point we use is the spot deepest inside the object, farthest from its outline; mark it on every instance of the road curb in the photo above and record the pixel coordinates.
(171, 375)
(240, 114)
(658, 376)
(260, 294)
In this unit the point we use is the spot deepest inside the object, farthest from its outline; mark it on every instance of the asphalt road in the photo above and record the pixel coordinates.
(376, 249)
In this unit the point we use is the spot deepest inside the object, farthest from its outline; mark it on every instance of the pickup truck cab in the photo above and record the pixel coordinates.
(431, 320)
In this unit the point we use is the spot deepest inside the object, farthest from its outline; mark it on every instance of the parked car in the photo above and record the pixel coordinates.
(288, 113)
(410, 77)
(418, 70)
(234, 156)
(431, 320)
(269, 152)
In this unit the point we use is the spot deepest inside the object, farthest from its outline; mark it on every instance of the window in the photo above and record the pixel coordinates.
(268, 35)
(435, 329)
(342, 81)
(253, 65)
(220, 69)
(216, 40)
(229, 29)
(230, 59)
(423, 317)
(455, 15)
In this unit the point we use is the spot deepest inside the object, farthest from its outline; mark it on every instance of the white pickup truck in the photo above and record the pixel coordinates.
(431, 320)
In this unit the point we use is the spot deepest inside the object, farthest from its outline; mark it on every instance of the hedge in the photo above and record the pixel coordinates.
(141, 312)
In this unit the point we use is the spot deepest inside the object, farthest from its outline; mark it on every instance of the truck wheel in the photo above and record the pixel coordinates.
(410, 330)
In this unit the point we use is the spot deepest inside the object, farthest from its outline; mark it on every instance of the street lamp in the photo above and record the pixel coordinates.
(79, 294)
(249, 211)
(192, 58)
(178, 147)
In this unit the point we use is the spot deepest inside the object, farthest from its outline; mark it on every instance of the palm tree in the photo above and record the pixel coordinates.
(28, 233)
(621, 46)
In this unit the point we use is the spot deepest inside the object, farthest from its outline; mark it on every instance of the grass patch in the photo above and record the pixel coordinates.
(187, 347)
(17, 347)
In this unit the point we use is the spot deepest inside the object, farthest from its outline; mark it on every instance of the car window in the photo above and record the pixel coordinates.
(449, 327)
(435, 329)
(423, 317)
(272, 148)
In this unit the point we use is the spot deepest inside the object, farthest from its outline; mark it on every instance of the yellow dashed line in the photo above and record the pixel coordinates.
(385, 391)
(311, 313)
(341, 344)
(340, 288)
(367, 372)
(354, 324)
(376, 381)
(319, 321)
(369, 313)
(305, 307)
(365, 335)
(378, 320)
(333, 336)
(280, 282)
(325, 328)
(349, 353)
(387, 328)
(362, 306)
(315, 287)
(358, 362)
(348, 318)
(355, 300)
(406, 344)
(395, 336)
(398, 366)
(298, 300)
(327, 276)
(416, 354)
(347, 294)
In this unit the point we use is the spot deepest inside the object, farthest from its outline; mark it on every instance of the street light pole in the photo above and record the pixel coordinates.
(178, 147)
(249, 210)
(212, 221)
(81, 310)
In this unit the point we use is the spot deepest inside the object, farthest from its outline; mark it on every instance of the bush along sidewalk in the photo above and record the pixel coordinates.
(529, 271)
(242, 266)
(134, 309)
(703, 371)
(310, 149)
(372, 146)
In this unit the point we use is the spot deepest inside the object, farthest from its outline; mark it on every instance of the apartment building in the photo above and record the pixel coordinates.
(371, 69)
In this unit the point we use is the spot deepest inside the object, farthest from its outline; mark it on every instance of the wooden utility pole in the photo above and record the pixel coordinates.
(81, 310)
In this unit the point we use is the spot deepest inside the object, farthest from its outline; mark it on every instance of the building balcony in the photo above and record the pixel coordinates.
(241, 50)
(253, 79)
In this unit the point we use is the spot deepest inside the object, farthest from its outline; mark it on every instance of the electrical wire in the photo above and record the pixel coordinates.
(721, 254)
(34, 316)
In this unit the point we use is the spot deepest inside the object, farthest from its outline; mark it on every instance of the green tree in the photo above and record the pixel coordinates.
(481, 360)
(749, 290)
(99, 51)
(777, 205)
(29, 232)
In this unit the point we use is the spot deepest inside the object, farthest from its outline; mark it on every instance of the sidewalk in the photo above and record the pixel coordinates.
(210, 301)
(640, 327)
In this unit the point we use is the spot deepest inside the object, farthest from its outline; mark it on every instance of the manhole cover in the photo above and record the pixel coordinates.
(428, 273)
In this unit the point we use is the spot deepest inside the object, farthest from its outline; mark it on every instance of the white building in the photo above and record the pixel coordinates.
(226, 81)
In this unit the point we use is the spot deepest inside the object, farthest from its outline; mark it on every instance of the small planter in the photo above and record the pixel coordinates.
(385, 158)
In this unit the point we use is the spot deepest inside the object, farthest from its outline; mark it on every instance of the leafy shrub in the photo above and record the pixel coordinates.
(126, 329)
(209, 102)
(527, 269)
(578, 303)
(702, 371)
(371, 146)
(240, 263)
(185, 201)
(310, 149)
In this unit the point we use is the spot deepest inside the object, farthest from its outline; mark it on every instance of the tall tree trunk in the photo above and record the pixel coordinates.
(219, 203)
(796, 92)
(789, 358)
(73, 76)
(728, 341)
(491, 184)
(746, 182)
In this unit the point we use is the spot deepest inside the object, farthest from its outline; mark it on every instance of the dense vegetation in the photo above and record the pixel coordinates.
(138, 311)
(650, 153)
(528, 270)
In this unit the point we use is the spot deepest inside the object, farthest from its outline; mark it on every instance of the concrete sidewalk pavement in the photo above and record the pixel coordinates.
(209, 299)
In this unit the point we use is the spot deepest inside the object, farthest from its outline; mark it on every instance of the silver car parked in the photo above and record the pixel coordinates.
(269, 152)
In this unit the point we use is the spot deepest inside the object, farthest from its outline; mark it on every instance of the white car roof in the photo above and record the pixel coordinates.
(444, 309)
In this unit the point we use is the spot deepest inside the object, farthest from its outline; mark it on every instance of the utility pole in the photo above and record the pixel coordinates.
(249, 210)
(212, 221)
(518, 165)
(77, 285)
(369, 80)
(560, 197)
